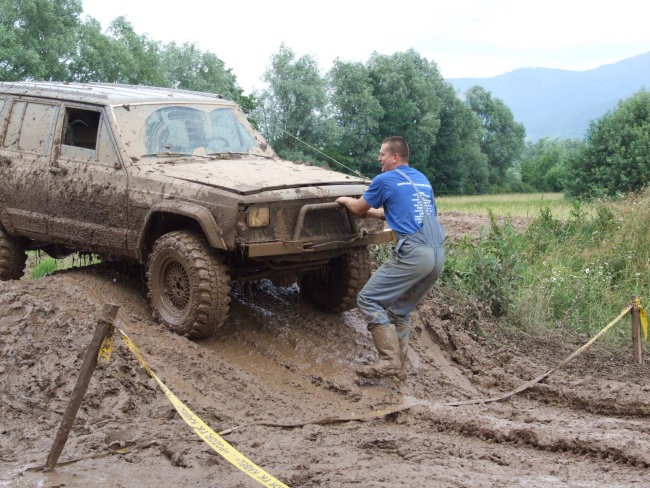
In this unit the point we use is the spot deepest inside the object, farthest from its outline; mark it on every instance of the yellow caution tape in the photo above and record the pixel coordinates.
(104, 355)
(213, 439)
(644, 322)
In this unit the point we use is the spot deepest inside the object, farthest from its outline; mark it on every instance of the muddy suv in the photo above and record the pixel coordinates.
(179, 182)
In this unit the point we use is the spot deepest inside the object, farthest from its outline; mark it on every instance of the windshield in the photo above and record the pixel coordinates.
(155, 130)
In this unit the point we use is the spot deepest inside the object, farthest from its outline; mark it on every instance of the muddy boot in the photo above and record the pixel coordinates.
(388, 363)
(403, 335)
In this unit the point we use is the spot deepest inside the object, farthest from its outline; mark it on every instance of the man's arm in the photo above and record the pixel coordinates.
(360, 207)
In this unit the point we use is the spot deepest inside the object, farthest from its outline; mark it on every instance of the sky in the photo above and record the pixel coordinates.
(465, 38)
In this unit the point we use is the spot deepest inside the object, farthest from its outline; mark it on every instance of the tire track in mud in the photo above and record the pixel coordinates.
(552, 417)
(278, 359)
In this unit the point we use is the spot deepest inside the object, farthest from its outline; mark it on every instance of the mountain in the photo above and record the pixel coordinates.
(561, 103)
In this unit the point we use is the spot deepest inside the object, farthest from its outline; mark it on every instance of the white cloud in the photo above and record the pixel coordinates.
(465, 38)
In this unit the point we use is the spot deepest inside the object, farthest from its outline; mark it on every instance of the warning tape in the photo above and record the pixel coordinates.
(644, 318)
(104, 354)
(214, 440)
(240, 461)
(415, 402)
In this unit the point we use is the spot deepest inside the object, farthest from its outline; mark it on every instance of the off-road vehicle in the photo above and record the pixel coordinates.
(179, 182)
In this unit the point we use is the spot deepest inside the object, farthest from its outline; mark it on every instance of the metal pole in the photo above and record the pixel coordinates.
(637, 350)
(104, 328)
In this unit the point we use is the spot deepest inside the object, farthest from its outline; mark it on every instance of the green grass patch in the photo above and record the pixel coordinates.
(513, 204)
(43, 267)
(39, 265)
(573, 274)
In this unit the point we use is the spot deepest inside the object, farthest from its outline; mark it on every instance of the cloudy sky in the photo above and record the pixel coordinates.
(466, 38)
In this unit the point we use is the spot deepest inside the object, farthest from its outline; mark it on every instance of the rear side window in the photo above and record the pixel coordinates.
(81, 128)
(31, 126)
(86, 137)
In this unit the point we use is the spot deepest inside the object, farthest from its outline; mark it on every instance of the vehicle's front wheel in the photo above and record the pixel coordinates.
(334, 288)
(188, 285)
(12, 257)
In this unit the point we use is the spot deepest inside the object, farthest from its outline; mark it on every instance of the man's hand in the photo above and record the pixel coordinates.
(360, 207)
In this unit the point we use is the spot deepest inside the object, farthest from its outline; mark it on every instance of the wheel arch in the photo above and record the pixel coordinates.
(168, 216)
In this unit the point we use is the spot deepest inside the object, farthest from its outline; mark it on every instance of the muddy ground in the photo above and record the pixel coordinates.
(278, 360)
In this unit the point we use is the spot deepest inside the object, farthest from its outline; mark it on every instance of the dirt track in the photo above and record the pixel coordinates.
(280, 361)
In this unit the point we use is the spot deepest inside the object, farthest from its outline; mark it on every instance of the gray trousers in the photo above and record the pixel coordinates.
(398, 285)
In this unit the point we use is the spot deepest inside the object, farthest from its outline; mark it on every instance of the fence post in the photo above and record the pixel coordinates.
(637, 348)
(104, 328)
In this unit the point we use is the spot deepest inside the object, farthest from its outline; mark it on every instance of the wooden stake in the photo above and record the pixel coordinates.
(637, 348)
(104, 328)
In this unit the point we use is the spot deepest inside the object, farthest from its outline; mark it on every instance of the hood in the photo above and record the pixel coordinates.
(248, 176)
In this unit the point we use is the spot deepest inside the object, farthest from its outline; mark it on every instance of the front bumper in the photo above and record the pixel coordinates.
(280, 248)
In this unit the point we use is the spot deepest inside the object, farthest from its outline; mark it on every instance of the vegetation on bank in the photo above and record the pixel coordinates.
(574, 274)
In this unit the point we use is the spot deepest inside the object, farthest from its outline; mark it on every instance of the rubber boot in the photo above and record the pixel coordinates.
(403, 335)
(388, 363)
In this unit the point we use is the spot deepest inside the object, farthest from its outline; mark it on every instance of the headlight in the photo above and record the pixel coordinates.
(257, 216)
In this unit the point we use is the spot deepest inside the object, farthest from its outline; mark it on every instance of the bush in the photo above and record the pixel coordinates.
(575, 275)
(488, 269)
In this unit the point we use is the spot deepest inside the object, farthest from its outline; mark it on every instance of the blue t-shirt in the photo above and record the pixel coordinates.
(402, 207)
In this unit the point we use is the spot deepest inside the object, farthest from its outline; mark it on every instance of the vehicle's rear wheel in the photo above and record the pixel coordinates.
(12, 257)
(188, 285)
(335, 287)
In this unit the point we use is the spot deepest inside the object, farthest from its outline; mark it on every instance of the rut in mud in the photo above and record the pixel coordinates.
(278, 360)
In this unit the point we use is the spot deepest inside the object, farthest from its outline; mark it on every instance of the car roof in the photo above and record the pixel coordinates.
(107, 93)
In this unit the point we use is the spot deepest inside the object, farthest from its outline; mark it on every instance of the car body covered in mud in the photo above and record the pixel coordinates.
(181, 183)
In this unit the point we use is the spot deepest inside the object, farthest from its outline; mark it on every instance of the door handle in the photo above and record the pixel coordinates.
(57, 170)
(6, 161)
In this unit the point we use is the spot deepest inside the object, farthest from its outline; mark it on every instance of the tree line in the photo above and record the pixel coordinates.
(467, 144)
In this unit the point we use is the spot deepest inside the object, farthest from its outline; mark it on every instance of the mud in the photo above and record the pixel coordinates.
(278, 360)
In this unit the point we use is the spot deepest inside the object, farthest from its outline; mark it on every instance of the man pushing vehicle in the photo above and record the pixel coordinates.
(404, 197)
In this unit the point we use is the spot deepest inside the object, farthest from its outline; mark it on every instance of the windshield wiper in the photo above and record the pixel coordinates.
(179, 155)
(231, 154)
(166, 154)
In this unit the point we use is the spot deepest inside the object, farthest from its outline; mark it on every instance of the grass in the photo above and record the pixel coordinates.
(39, 266)
(572, 274)
(514, 204)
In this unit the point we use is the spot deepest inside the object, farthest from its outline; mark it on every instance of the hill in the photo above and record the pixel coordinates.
(561, 103)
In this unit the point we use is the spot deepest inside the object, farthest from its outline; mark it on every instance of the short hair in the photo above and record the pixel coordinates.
(397, 144)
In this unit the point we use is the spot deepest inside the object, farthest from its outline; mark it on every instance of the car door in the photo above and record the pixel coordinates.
(88, 184)
(25, 152)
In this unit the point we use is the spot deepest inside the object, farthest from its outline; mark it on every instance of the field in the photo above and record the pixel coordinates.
(517, 205)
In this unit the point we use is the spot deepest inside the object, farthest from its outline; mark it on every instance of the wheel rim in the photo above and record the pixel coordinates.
(176, 286)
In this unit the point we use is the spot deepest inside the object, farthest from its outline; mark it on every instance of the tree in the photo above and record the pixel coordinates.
(406, 86)
(544, 164)
(457, 164)
(292, 106)
(189, 68)
(355, 110)
(38, 38)
(503, 138)
(616, 155)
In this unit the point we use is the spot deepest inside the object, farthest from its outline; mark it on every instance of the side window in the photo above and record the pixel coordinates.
(31, 127)
(80, 131)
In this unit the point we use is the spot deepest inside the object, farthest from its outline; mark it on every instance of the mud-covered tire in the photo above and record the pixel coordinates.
(334, 288)
(188, 285)
(12, 257)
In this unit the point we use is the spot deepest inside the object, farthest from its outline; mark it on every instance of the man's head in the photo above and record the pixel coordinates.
(394, 152)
